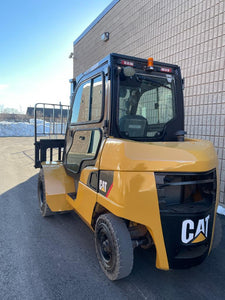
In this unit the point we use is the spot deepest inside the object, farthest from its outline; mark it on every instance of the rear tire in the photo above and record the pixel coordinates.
(45, 210)
(113, 246)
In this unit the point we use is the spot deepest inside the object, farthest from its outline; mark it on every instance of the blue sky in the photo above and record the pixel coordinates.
(36, 38)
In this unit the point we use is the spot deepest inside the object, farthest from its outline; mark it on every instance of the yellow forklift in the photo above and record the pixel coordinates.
(127, 169)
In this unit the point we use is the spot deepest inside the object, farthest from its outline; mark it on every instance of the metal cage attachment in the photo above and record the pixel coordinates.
(50, 122)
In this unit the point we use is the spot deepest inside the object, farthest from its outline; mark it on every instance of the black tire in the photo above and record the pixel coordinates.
(45, 210)
(113, 246)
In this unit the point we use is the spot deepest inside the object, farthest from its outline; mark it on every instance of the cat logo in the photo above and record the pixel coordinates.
(102, 186)
(190, 234)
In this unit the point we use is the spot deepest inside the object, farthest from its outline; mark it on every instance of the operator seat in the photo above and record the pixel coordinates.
(133, 125)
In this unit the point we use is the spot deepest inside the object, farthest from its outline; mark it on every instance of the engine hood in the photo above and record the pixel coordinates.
(187, 156)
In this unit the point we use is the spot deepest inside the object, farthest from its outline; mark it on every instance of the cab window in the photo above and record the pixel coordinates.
(146, 105)
(87, 106)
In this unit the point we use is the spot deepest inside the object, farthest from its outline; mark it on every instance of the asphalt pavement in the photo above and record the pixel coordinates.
(54, 258)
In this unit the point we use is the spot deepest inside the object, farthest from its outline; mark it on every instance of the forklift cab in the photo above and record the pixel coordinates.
(125, 99)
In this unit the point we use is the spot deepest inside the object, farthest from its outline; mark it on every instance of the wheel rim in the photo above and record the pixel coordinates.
(105, 247)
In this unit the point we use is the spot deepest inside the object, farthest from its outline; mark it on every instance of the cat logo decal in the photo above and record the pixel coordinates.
(194, 234)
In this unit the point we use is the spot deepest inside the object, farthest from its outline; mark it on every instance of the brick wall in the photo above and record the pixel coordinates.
(188, 33)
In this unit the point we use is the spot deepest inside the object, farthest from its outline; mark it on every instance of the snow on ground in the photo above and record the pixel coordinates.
(27, 128)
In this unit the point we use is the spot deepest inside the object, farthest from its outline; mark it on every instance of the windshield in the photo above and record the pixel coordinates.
(146, 105)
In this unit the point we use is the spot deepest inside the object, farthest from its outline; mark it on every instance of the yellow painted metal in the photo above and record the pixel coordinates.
(57, 185)
(134, 197)
(188, 156)
(134, 194)
(84, 203)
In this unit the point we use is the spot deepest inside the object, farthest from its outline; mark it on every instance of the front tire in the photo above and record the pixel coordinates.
(45, 210)
(113, 246)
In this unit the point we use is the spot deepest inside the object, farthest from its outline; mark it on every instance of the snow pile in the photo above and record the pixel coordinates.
(27, 128)
(16, 129)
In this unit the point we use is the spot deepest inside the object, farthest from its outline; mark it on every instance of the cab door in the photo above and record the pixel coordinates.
(84, 132)
(83, 140)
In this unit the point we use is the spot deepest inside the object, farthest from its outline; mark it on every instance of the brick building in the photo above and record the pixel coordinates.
(188, 33)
